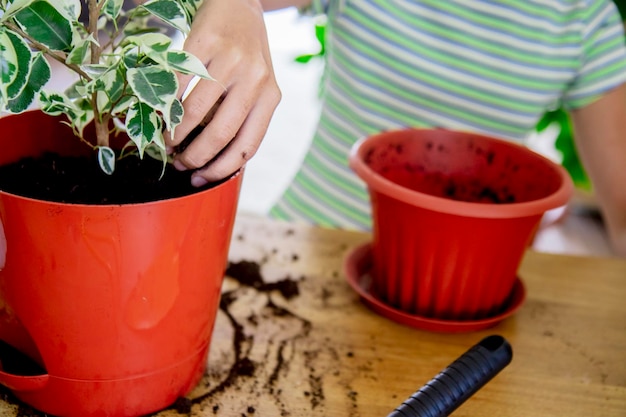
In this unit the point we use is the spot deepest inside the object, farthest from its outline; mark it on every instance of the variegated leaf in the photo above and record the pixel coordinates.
(23, 61)
(56, 104)
(173, 116)
(81, 52)
(191, 7)
(38, 76)
(114, 84)
(187, 63)
(122, 105)
(170, 12)
(95, 70)
(69, 9)
(154, 86)
(180, 61)
(142, 125)
(46, 25)
(159, 153)
(157, 42)
(112, 8)
(106, 159)
(14, 8)
(8, 64)
(82, 120)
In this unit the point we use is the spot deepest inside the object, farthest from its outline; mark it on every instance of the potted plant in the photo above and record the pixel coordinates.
(106, 305)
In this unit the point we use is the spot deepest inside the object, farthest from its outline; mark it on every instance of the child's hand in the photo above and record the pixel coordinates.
(229, 37)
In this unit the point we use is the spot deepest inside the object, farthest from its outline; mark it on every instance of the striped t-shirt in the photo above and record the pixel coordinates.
(489, 66)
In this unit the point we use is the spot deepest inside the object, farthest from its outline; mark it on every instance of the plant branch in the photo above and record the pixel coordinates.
(57, 56)
(101, 121)
(94, 14)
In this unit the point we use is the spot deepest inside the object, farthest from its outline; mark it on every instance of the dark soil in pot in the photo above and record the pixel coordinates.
(79, 180)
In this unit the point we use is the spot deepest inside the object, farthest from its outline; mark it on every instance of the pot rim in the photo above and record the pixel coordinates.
(382, 185)
(146, 204)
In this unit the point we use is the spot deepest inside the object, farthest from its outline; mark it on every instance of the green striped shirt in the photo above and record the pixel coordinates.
(489, 66)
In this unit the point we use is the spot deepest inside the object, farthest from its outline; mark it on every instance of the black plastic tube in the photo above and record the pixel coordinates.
(458, 381)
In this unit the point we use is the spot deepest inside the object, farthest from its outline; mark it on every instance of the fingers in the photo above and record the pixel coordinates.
(222, 127)
(234, 154)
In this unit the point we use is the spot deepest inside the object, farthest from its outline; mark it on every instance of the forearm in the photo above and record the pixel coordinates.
(600, 134)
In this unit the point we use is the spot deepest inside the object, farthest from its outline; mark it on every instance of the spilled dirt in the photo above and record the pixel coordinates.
(270, 354)
(266, 357)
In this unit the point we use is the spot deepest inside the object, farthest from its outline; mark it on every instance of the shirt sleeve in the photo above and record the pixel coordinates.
(603, 56)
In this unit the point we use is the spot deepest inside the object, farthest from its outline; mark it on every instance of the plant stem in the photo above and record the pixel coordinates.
(101, 123)
(94, 13)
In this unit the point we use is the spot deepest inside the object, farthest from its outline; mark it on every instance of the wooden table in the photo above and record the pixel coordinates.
(324, 353)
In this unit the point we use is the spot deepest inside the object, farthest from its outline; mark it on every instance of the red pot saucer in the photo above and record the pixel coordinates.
(356, 267)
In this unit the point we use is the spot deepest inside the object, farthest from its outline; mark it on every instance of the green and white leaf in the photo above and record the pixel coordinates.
(95, 70)
(9, 64)
(170, 12)
(46, 25)
(139, 23)
(191, 8)
(173, 116)
(14, 8)
(83, 118)
(142, 125)
(112, 8)
(15, 60)
(24, 58)
(154, 86)
(187, 63)
(159, 153)
(102, 23)
(113, 84)
(56, 104)
(106, 159)
(156, 42)
(81, 53)
(38, 76)
(69, 9)
(121, 106)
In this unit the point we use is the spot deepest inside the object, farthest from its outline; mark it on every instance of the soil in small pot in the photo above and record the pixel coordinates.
(471, 190)
(79, 180)
(459, 188)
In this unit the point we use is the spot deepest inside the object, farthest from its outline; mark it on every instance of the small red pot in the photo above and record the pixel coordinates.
(116, 302)
(453, 213)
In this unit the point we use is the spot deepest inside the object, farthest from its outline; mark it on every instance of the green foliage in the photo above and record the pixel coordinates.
(320, 35)
(564, 144)
(126, 69)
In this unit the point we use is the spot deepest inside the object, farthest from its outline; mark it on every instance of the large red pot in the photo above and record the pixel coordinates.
(117, 302)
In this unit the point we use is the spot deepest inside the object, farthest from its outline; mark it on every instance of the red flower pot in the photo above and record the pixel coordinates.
(453, 213)
(117, 302)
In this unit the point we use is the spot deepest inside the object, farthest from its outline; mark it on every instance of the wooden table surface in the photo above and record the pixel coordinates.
(324, 353)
